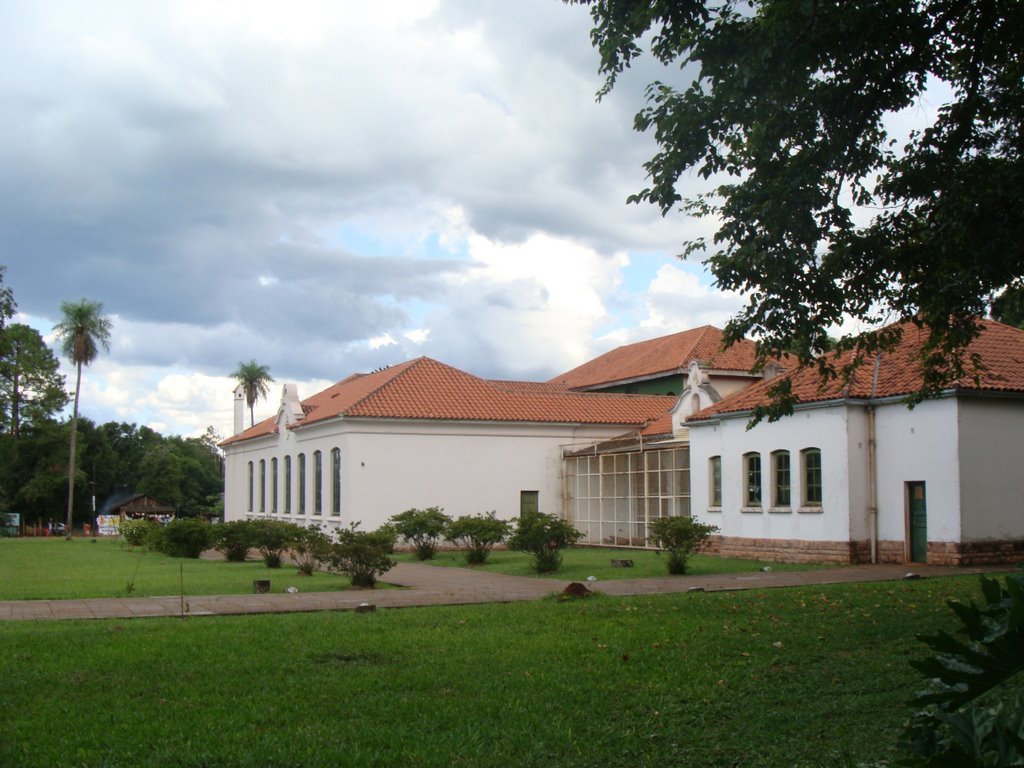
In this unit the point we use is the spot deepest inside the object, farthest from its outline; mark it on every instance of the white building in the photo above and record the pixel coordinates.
(419, 434)
(856, 476)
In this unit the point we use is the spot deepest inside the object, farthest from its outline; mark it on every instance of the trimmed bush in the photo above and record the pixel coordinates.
(187, 537)
(311, 548)
(136, 533)
(681, 537)
(476, 535)
(423, 527)
(273, 538)
(544, 537)
(362, 555)
(233, 540)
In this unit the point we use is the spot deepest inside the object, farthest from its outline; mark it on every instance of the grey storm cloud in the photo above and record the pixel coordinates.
(192, 171)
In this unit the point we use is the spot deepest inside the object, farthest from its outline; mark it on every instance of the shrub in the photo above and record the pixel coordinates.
(136, 533)
(477, 535)
(423, 527)
(362, 555)
(233, 540)
(187, 537)
(273, 538)
(543, 536)
(681, 537)
(310, 549)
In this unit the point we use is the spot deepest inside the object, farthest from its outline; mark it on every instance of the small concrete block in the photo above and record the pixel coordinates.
(366, 608)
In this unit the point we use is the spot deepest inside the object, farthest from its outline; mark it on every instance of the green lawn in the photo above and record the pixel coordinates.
(786, 677)
(580, 562)
(52, 568)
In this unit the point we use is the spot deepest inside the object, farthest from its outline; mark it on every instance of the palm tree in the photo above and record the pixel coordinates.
(254, 379)
(82, 331)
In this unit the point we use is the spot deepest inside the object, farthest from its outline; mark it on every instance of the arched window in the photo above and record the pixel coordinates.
(287, 485)
(252, 483)
(263, 486)
(302, 483)
(752, 475)
(335, 481)
(318, 483)
(810, 459)
(781, 479)
(273, 485)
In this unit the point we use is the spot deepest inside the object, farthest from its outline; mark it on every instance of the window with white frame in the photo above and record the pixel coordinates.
(273, 485)
(287, 485)
(302, 483)
(318, 483)
(335, 481)
(752, 476)
(252, 484)
(811, 461)
(715, 481)
(781, 479)
(263, 486)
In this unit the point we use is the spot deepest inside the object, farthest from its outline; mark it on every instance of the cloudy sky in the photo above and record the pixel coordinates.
(327, 187)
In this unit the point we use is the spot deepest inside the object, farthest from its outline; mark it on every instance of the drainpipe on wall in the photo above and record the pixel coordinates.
(873, 466)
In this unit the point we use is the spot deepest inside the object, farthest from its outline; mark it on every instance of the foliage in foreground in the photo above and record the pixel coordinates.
(796, 678)
(955, 728)
(476, 535)
(681, 536)
(423, 527)
(544, 537)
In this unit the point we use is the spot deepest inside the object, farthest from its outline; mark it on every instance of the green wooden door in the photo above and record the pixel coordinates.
(918, 523)
(529, 501)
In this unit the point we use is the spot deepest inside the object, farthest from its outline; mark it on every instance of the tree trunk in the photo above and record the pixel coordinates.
(71, 455)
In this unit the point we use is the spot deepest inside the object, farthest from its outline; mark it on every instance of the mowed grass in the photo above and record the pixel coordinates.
(55, 569)
(787, 677)
(580, 562)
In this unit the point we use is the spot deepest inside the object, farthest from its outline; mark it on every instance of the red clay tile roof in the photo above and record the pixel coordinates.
(659, 357)
(426, 389)
(1000, 348)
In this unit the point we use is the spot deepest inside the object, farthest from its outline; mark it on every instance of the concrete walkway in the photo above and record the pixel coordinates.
(434, 585)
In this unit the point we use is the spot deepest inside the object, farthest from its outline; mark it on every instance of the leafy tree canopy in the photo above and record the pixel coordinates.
(31, 386)
(823, 211)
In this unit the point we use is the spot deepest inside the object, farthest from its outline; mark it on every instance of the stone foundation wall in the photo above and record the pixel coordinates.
(976, 552)
(800, 551)
(789, 550)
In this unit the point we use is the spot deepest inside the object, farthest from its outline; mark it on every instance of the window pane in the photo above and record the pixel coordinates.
(812, 477)
(336, 481)
(716, 481)
(782, 478)
(753, 462)
(318, 483)
(302, 483)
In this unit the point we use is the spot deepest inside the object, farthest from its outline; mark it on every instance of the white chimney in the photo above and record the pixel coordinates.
(239, 409)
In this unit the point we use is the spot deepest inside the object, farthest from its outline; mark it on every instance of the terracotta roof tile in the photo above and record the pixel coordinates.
(661, 356)
(1000, 348)
(429, 390)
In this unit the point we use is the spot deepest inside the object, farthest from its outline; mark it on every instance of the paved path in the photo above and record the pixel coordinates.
(434, 585)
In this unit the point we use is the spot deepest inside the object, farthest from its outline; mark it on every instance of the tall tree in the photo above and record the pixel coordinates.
(31, 387)
(823, 213)
(255, 382)
(7, 303)
(83, 329)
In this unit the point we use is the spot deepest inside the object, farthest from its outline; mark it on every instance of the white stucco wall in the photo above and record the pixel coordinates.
(991, 468)
(826, 429)
(391, 466)
(918, 445)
